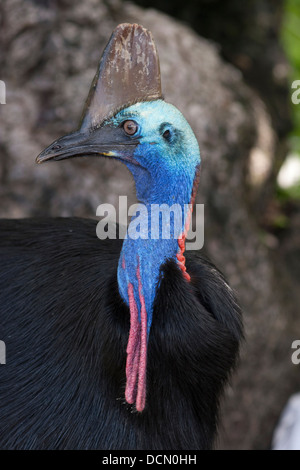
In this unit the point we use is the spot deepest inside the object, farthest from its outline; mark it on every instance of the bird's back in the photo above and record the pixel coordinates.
(66, 328)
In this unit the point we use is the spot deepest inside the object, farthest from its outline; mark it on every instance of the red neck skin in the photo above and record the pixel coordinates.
(181, 240)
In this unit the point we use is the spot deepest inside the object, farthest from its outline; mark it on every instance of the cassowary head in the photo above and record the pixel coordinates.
(126, 118)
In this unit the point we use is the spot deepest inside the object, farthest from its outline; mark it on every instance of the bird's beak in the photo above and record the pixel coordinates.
(104, 142)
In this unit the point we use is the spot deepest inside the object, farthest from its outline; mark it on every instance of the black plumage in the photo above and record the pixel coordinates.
(66, 328)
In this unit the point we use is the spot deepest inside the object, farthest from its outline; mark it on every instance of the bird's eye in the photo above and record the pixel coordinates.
(130, 127)
(167, 134)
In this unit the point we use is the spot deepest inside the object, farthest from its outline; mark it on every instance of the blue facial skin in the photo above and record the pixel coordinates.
(168, 155)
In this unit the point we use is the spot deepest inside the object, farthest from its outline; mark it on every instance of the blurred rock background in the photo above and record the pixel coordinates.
(224, 68)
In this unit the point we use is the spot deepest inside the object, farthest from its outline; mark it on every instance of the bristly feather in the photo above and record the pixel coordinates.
(66, 330)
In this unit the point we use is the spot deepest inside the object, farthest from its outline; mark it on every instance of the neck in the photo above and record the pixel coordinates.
(148, 245)
(159, 228)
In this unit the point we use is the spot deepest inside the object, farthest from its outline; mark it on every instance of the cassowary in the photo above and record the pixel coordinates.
(116, 344)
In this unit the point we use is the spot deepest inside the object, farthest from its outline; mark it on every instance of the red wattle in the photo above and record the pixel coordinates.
(133, 349)
(136, 363)
(181, 240)
(141, 391)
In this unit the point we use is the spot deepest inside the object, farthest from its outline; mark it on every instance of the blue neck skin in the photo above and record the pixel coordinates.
(148, 252)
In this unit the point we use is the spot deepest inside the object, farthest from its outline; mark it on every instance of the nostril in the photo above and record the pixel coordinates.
(56, 147)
